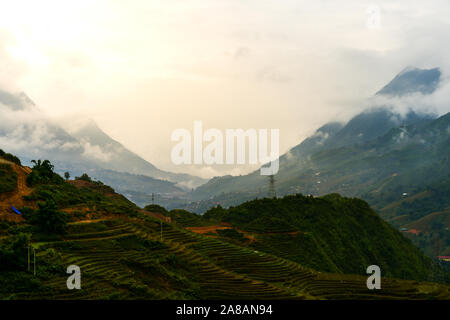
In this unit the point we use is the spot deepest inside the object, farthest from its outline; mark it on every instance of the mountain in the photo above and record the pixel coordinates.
(413, 80)
(29, 133)
(18, 101)
(122, 160)
(389, 159)
(371, 124)
(334, 162)
(291, 248)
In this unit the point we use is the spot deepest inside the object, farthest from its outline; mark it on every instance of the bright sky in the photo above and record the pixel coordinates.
(144, 68)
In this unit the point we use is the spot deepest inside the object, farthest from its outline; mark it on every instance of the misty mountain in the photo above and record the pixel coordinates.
(358, 158)
(116, 157)
(16, 101)
(371, 124)
(29, 133)
(413, 80)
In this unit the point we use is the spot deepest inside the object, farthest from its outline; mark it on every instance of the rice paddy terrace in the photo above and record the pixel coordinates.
(129, 258)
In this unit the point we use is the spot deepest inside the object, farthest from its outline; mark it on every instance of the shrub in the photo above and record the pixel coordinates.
(232, 234)
(13, 253)
(155, 208)
(49, 219)
(8, 178)
(9, 157)
(42, 173)
(84, 177)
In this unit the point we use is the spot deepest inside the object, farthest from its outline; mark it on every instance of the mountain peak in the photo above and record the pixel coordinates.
(19, 101)
(413, 80)
(88, 130)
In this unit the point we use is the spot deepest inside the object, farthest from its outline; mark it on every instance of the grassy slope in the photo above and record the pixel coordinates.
(125, 258)
(83, 197)
(427, 212)
(8, 178)
(330, 233)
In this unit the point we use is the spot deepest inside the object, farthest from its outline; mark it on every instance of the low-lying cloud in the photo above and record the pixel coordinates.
(437, 103)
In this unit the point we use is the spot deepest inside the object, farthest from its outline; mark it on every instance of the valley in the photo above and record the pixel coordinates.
(247, 252)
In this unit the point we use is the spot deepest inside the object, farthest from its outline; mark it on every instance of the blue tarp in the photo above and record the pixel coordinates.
(16, 211)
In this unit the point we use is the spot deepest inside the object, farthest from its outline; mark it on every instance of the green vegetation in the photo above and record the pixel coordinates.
(232, 234)
(8, 178)
(84, 177)
(330, 233)
(125, 258)
(156, 208)
(9, 157)
(187, 219)
(13, 252)
(96, 196)
(268, 249)
(403, 172)
(42, 173)
(49, 186)
(49, 219)
(434, 198)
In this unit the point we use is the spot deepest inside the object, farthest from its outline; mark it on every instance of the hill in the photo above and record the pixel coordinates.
(23, 188)
(13, 186)
(330, 233)
(262, 249)
(126, 258)
(382, 156)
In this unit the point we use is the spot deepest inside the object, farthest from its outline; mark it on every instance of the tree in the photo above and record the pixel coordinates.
(84, 177)
(155, 208)
(67, 175)
(45, 168)
(13, 252)
(49, 219)
(42, 173)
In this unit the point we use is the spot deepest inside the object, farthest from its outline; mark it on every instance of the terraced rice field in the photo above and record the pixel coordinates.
(127, 259)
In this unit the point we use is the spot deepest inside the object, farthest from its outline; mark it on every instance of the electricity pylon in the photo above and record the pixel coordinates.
(272, 192)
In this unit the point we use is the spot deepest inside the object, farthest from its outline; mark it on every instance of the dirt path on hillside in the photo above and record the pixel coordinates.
(10, 199)
(212, 231)
(208, 229)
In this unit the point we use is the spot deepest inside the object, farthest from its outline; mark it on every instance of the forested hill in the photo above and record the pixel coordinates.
(294, 247)
(330, 233)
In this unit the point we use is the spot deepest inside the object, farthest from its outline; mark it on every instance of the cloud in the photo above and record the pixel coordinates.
(436, 103)
(10, 69)
(322, 137)
(289, 155)
(31, 133)
(27, 131)
(95, 152)
(294, 64)
(241, 53)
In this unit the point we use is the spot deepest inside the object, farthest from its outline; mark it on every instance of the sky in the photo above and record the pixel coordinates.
(142, 69)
